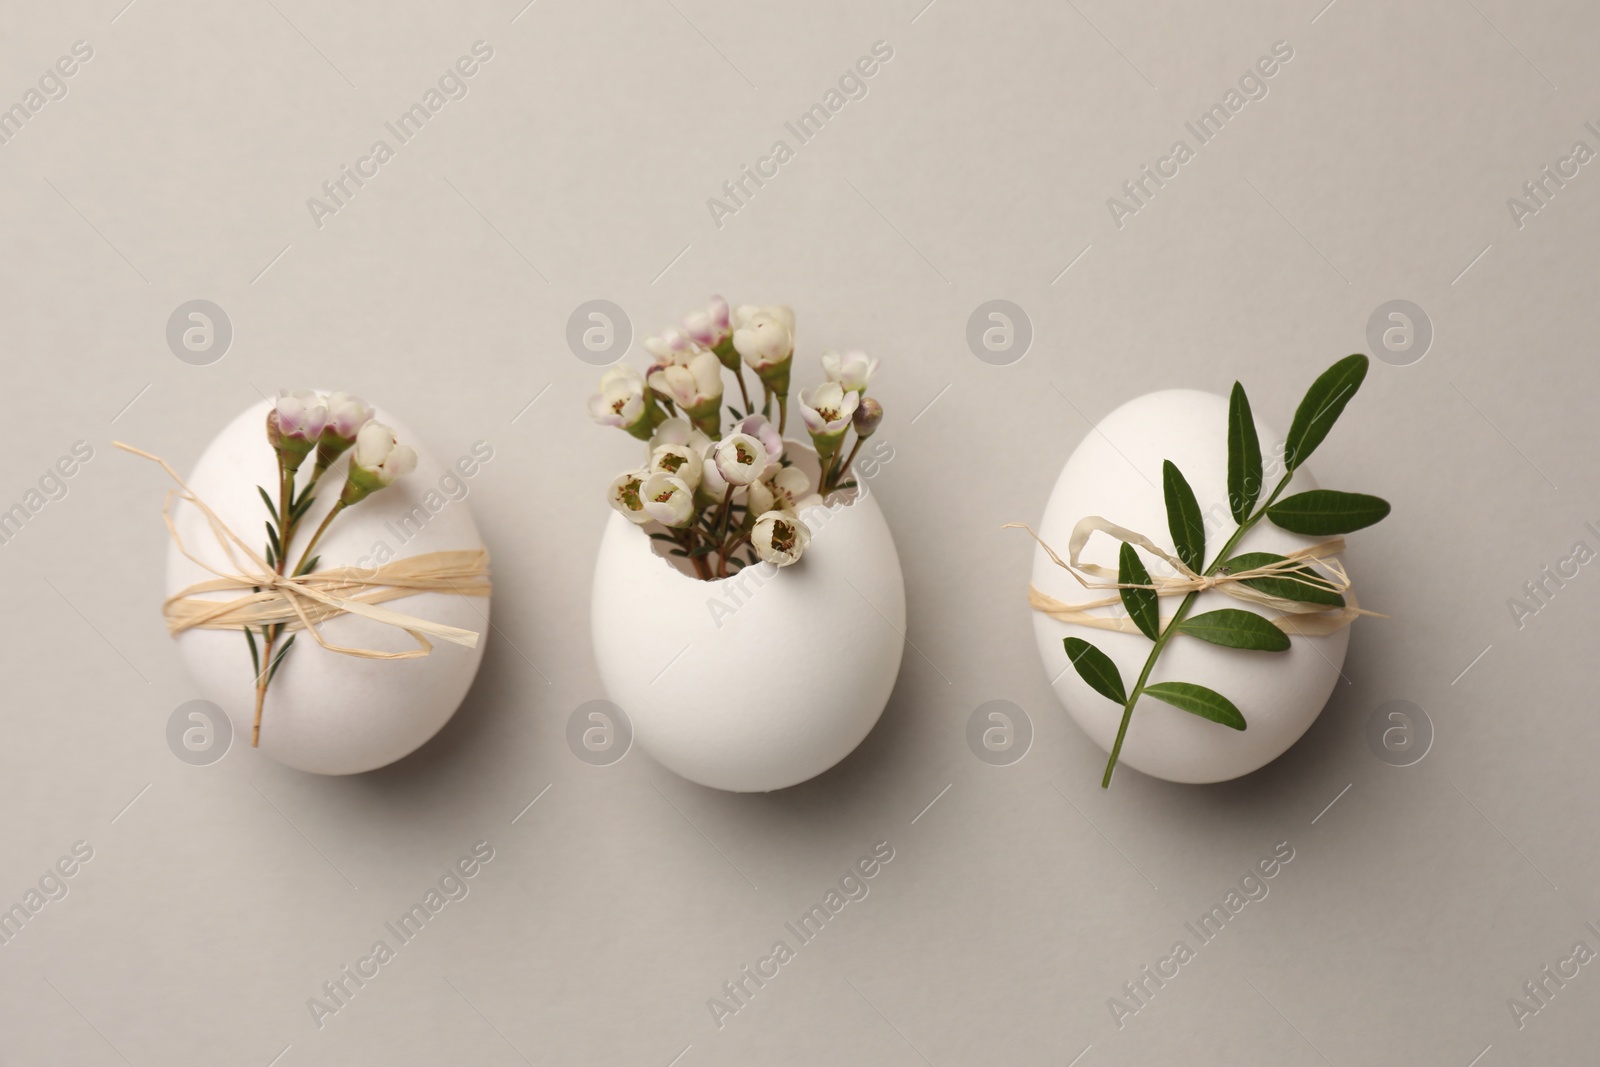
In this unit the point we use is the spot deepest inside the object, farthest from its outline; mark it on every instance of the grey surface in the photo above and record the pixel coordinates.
(220, 898)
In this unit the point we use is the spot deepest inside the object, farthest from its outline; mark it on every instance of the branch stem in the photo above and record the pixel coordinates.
(1172, 627)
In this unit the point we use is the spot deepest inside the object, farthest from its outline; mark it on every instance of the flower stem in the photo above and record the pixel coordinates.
(305, 555)
(783, 413)
(1172, 627)
(270, 637)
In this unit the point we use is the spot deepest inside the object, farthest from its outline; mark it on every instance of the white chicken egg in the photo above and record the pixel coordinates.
(1116, 473)
(326, 712)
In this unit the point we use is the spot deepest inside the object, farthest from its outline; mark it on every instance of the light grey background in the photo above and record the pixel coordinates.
(978, 167)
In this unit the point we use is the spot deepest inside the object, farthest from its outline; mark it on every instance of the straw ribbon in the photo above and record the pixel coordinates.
(1295, 616)
(301, 603)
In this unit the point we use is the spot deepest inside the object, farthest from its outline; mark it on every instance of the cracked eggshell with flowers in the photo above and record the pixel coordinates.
(710, 661)
(325, 712)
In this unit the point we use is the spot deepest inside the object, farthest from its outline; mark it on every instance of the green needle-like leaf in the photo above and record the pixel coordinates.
(1244, 456)
(1096, 668)
(1236, 629)
(1198, 700)
(1326, 512)
(276, 660)
(272, 509)
(1323, 404)
(1302, 583)
(1184, 521)
(255, 653)
(1144, 607)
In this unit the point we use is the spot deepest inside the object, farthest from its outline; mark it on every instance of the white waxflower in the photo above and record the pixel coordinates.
(678, 431)
(764, 337)
(740, 459)
(850, 371)
(682, 461)
(620, 401)
(695, 387)
(378, 459)
(295, 425)
(710, 326)
(827, 409)
(672, 347)
(780, 490)
(668, 500)
(762, 429)
(624, 496)
(779, 538)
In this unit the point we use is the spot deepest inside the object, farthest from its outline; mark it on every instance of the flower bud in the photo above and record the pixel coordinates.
(377, 461)
(851, 371)
(347, 413)
(867, 417)
(295, 425)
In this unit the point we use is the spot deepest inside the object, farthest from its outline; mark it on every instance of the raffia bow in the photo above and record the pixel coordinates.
(301, 603)
(1295, 616)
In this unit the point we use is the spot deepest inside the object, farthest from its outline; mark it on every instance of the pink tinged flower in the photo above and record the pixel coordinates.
(620, 401)
(709, 326)
(827, 409)
(692, 387)
(761, 428)
(740, 459)
(673, 347)
(623, 494)
(681, 461)
(347, 413)
(850, 371)
(779, 538)
(302, 415)
(667, 500)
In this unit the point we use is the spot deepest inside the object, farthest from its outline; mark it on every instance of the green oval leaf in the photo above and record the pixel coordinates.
(1184, 521)
(1096, 668)
(1236, 629)
(1198, 700)
(1144, 607)
(1302, 583)
(1323, 404)
(1244, 456)
(1325, 512)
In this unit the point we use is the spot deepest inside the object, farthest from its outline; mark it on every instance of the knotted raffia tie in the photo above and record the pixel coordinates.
(1296, 617)
(300, 603)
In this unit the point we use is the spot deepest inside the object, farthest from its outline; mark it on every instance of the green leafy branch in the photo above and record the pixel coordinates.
(1318, 512)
